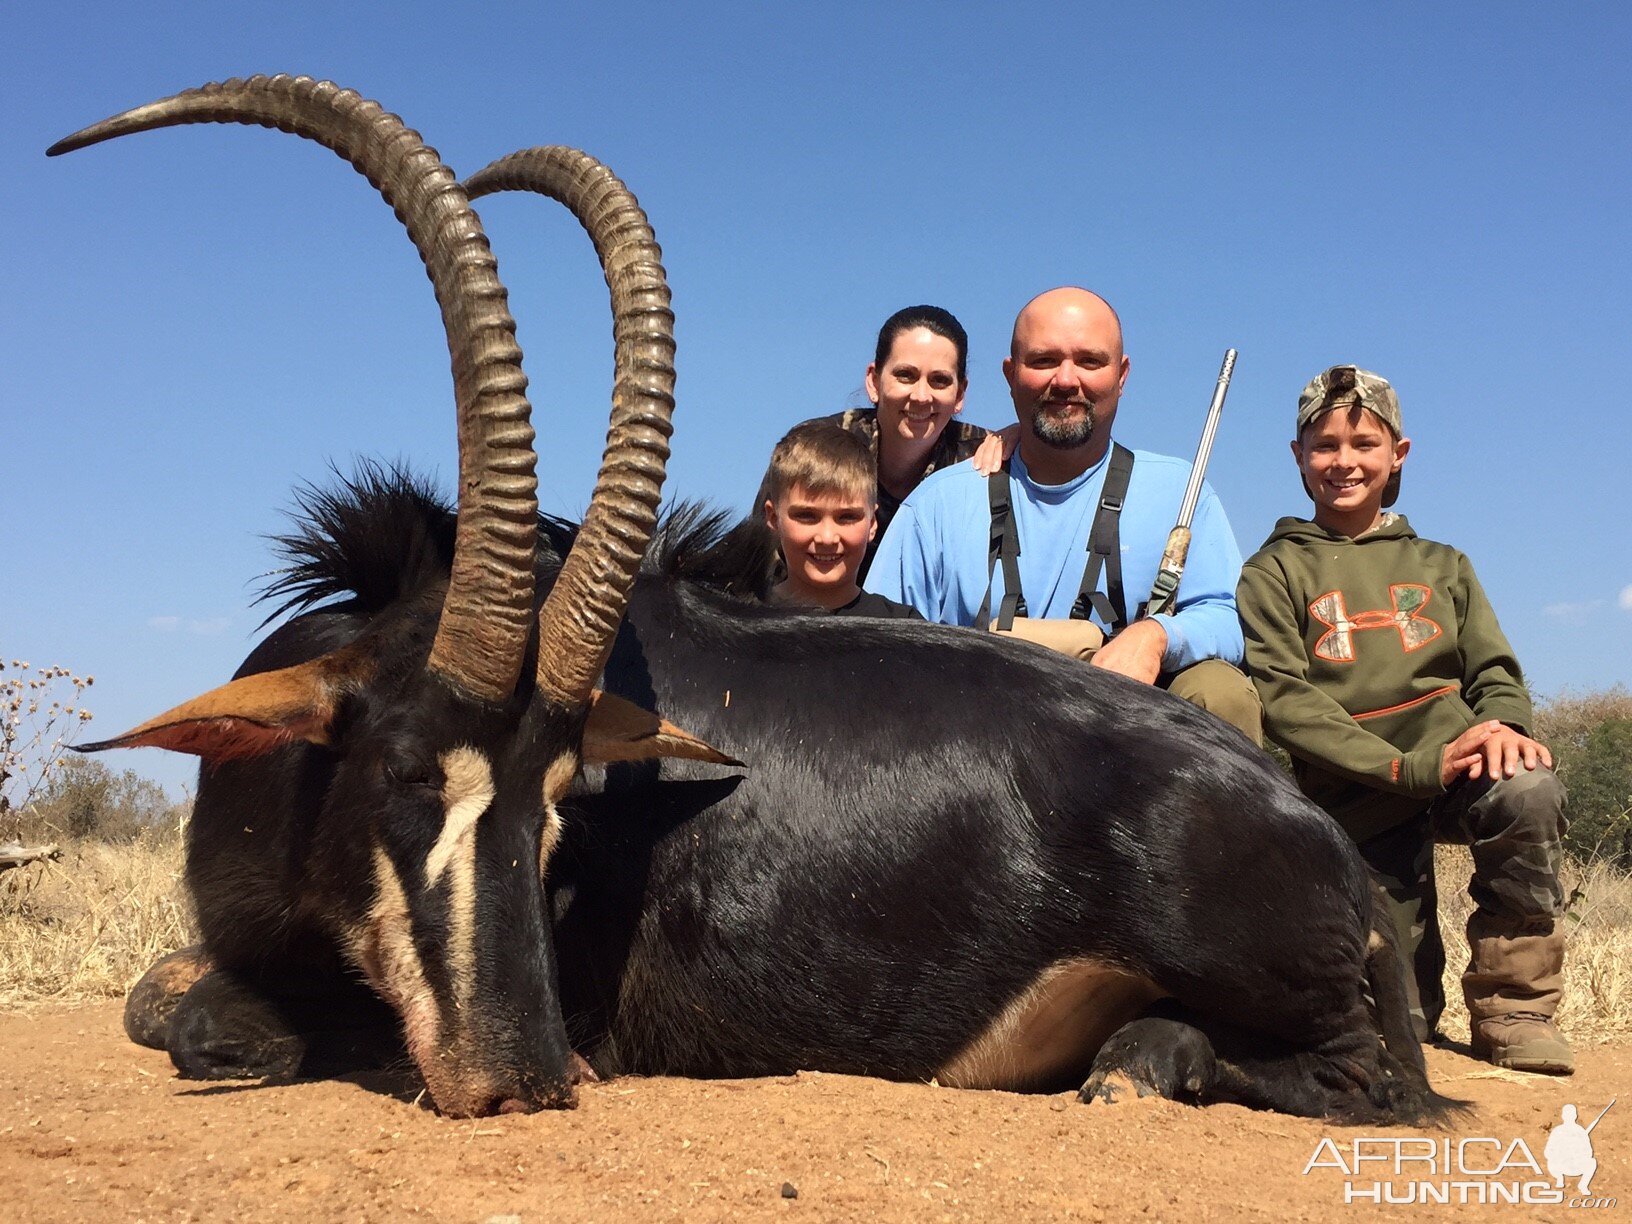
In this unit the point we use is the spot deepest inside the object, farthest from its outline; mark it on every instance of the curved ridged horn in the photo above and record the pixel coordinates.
(481, 638)
(580, 617)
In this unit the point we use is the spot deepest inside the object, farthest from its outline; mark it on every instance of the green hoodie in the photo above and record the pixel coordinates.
(1371, 655)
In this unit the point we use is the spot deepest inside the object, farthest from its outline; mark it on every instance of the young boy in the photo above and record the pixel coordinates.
(1384, 673)
(821, 505)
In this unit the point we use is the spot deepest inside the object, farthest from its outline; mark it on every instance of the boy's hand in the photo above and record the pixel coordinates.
(1136, 652)
(1463, 755)
(1507, 750)
(1491, 748)
(994, 449)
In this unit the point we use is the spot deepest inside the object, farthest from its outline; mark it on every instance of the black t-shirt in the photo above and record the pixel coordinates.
(868, 604)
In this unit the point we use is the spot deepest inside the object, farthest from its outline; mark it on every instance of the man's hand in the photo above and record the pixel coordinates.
(1491, 748)
(1135, 652)
(994, 449)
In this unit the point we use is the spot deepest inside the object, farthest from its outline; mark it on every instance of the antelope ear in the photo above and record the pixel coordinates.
(620, 730)
(256, 714)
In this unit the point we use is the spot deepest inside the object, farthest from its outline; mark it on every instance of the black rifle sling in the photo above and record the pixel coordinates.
(1104, 551)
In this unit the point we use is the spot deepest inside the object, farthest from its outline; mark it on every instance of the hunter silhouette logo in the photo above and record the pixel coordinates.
(1569, 1149)
(1408, 598)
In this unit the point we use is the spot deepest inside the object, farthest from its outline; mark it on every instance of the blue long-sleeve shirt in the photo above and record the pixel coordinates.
(933, 557)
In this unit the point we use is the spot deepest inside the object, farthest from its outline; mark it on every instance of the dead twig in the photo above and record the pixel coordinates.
(15, 854)
(881, 1160)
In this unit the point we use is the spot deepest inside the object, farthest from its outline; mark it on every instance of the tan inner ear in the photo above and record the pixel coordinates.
(620, 730)
(255, 714)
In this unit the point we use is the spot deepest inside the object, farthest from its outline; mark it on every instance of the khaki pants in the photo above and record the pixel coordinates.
(1216, 686)
(1223, 691)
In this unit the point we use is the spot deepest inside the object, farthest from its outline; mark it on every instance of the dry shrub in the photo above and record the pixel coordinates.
(39, 718)
(1597, 1002)
(1591, 738)
(90, 924)
(83, 798)
(1564, 720)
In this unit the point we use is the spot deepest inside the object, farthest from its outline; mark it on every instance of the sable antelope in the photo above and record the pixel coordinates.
(948, 855)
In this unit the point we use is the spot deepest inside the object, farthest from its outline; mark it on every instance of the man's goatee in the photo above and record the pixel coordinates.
(1062, 434)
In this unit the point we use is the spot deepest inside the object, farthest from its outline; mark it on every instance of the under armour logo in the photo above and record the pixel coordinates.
(1408, 598)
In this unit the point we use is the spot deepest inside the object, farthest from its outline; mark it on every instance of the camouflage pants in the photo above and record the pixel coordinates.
(1513, 827)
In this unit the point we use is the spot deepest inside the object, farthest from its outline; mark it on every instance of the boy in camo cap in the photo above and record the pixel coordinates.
(1384, 674)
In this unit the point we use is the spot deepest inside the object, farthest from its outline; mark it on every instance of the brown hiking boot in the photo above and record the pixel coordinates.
(1523, 1041)
(1514, 981)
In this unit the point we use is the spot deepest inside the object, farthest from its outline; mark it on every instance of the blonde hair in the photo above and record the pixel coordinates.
(822, 458)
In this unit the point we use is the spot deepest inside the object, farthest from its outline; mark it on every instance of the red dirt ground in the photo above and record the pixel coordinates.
(94, 1128)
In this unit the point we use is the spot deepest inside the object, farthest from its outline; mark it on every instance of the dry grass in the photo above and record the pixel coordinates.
(89, 925)
(1597, 1002)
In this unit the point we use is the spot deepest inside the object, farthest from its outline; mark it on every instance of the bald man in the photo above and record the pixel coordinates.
(961, 542)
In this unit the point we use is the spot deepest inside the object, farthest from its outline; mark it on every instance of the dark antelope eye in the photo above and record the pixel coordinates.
(406, 768)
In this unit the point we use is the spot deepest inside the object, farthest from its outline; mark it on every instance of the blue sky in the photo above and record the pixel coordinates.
(197, 320)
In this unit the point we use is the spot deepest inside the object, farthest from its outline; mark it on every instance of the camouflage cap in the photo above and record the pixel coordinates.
(1345, 386)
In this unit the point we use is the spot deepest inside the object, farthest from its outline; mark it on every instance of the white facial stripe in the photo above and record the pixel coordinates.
(467, 792)
(462, 924)
(558, 776)
(550, 838)
(386, 952)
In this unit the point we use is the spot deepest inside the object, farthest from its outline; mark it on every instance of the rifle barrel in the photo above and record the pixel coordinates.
(1198, 470)
(1601, 1114)
(1164, 591)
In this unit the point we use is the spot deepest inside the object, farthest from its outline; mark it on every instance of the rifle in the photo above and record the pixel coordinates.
(1601, 1114)
(1165, 589)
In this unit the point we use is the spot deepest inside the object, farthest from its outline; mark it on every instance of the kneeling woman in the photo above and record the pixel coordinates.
(916, 382)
